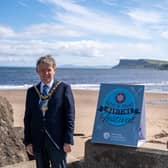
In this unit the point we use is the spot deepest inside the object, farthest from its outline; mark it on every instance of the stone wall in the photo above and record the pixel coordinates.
(113, 156)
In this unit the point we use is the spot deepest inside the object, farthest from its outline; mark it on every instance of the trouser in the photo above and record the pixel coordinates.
(50, 156)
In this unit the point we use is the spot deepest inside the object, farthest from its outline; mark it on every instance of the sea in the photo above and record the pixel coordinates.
(87, 79)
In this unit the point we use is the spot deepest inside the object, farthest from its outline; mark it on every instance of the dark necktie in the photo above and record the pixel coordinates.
(45, 90)
(43, 103)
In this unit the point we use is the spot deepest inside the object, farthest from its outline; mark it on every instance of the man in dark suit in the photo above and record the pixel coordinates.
(49, 117)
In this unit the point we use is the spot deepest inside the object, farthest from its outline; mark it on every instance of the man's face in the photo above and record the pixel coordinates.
(46, 72)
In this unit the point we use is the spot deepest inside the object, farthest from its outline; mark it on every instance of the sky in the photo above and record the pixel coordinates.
(82, 32)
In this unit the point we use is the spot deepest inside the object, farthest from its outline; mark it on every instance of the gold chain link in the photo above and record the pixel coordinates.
(50, 92)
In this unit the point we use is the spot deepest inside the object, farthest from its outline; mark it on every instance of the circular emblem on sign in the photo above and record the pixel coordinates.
(120, 97)
(118, 107)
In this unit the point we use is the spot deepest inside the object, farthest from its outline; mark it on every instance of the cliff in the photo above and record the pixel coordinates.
(142, 63)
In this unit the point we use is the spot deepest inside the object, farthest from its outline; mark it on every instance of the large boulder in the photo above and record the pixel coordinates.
(11, 139)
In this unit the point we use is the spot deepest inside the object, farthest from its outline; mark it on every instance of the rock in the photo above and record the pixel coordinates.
(6, 111)
(11, 147)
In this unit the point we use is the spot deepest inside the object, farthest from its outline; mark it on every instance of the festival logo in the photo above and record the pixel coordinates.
(118, 107)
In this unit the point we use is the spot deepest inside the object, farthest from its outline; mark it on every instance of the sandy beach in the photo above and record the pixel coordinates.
(156, 106)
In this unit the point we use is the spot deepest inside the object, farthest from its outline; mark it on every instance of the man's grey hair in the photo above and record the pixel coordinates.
(47, 59)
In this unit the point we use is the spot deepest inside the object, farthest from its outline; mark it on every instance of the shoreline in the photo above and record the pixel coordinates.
(78, 87)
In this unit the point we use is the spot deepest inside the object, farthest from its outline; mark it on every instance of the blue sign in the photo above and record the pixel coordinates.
(118, 115)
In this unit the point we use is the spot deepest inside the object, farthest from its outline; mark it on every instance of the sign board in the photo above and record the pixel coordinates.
(120, 115)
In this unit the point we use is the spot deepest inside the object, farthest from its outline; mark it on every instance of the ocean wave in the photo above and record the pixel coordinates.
(13, 87)
(149, 87)
(85, 86)
(74, 86)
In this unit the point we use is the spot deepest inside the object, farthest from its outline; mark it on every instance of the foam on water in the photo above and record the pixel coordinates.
(149, 87)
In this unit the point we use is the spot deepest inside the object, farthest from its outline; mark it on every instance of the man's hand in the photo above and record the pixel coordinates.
(67, 148)
(29, 149)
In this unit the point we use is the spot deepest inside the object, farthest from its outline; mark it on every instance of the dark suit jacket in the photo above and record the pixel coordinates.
(59, 118)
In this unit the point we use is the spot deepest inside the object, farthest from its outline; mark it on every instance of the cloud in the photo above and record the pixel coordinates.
(69, 6)
(79, 52)
(6, 32)
(38, 31)
(82, 48)
(110, 2)
(164, 34)
(22, 3)
(75, 21)
(92, 21)
(145, 16)
(85, 35)
(49, 30)
(101, 25)
(38, 47)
